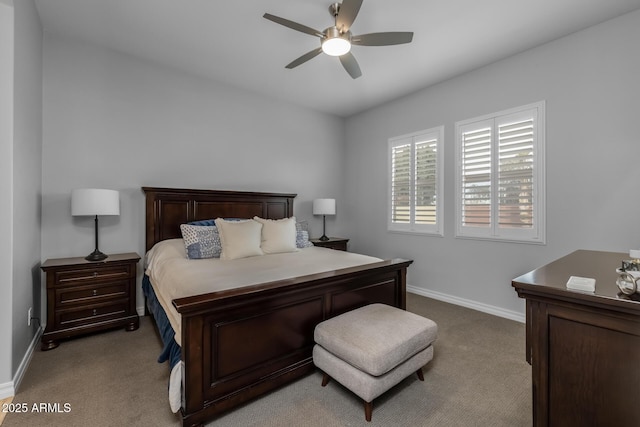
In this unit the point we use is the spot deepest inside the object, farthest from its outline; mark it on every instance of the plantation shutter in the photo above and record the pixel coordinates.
(401, 183)
(516, 173)
(476, 175)
(500, 176)
(415, 182)
(425, 182)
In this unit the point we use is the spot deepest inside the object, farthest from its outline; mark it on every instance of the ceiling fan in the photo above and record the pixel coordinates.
(337, 39)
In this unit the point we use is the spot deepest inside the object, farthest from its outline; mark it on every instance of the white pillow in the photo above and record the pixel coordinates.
(239, 239)
(278, 235)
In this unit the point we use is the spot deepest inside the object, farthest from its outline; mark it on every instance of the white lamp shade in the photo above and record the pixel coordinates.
(324, 207)
(94, 201)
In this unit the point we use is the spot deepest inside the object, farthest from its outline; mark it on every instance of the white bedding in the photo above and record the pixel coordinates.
(175, 276)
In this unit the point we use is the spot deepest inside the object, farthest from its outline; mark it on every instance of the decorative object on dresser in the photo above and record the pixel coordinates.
(87, 296)
(629, 274)
(583, 347)
(94, 202)
(324, 207)
(338, 243)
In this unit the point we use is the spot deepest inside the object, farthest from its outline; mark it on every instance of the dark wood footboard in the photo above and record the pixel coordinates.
(241, 344)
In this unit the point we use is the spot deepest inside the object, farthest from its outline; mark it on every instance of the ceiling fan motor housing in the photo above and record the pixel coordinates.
(333, 32)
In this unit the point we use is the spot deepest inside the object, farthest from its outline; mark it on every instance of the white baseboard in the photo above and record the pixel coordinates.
(9, 389)
(474, 305)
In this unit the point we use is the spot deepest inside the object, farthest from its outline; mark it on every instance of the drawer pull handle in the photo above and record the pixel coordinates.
(95, 311)
(95, 292)
(95, 274)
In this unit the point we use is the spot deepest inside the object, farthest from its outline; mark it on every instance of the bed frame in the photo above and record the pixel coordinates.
(240, 344)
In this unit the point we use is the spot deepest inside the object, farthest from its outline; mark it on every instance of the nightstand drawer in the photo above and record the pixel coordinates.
(91, 314)
(90, 294)
(78, 276)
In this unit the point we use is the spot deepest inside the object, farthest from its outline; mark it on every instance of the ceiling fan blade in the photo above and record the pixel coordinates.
(293, 25)
(347, 14)
(382, 39)
(304, 58)
(351, 65)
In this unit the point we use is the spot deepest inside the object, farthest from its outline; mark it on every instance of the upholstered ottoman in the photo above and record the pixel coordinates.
(373, 348)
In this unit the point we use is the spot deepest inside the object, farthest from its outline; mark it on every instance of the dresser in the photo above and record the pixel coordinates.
(584, 348)
(85, 296)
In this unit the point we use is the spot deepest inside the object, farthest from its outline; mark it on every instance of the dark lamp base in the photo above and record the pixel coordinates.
(96, 256)
(324, 238)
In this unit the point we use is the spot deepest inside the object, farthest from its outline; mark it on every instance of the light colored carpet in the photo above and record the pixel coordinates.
(4, 409)
(478, 377)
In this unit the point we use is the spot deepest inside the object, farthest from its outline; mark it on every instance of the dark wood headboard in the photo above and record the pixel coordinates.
(167, 208)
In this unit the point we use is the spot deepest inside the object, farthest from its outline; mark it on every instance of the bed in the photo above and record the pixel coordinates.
(237, 344)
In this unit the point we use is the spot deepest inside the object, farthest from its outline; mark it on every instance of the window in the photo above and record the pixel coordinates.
(415, 182)
(500, 176)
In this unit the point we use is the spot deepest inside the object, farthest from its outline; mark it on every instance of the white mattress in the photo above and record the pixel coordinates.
(175, 276)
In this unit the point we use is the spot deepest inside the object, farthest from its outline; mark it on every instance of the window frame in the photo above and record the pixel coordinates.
(413, 139)
(536, 234)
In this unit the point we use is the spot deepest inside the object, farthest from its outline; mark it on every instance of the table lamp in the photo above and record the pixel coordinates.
(324, 207)
(94, 202)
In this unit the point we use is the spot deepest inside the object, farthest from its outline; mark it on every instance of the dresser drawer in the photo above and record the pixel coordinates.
(84, 275)
(91, 293)
(91, 314)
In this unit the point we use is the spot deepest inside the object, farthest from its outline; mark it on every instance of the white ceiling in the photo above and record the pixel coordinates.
(229, 41)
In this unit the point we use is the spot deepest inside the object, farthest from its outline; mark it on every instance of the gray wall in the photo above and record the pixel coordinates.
(114, 121)
(590, 83)
(20, 163)
(6, 191)
(27, 176)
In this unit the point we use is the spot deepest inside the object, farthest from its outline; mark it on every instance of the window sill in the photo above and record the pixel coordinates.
(503, 240)
(417, 233)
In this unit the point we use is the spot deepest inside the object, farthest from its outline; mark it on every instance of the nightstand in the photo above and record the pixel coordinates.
(337, 243)
(85, 296)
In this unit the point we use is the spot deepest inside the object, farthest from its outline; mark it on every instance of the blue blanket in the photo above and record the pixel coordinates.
(171, 351)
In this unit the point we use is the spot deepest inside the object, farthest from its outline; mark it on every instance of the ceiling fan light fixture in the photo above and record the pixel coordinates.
(336, 43)
(336, 46)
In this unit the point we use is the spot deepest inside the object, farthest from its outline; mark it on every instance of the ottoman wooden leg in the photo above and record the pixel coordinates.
(368, 409)
(420, 376)
(325, 379)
